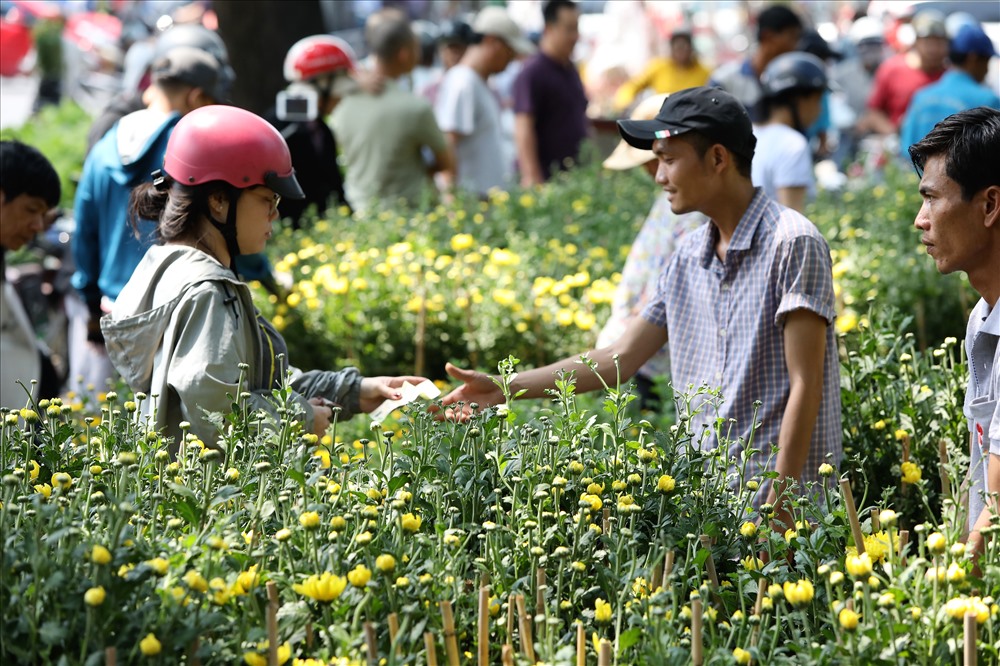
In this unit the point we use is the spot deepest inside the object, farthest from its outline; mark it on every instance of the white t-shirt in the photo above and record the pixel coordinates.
(782, 159)
(466, 106)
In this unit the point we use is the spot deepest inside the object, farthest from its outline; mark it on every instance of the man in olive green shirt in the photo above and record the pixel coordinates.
(391, 143)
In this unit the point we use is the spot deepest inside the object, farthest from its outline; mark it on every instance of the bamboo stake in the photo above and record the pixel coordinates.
(713, 576)
(432, 658)
(450, 644)
(852, 515)
(310, 637)
(193, 652)
(696, 637)
(904, 538)
(876, 525)
(606, 522)
(371, 643)
(510, 619)
(657, 581)
(604, 656)
(272, 623)
(110, 656)
(507, 655)
(581, 645)
(540, 602)
(942, 468)
(484, 626)
(971, 658)
(524, 628)
(393, 621)
(761, 589)
(668, 564)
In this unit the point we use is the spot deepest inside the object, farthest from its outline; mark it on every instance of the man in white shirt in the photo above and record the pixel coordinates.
(467, 110)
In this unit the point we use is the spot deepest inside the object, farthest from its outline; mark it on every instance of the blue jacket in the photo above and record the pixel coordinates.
(955, 91)
(105, 248)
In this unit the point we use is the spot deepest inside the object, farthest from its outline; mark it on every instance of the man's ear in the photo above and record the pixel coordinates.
(991, 206)
(720, 157)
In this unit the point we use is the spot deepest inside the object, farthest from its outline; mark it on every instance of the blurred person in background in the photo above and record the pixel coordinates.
(48, 45)
(454, 38)
(650, 253)
(679, 70)
(901, 76)
(426, 70)
(794, 85)
(813, 43)
(318, 71)
(104, 249)
(131, 99)
(854, 77)
(383, 136)
(468, 111)
(778, 31)
(959, 89)
(29, 189)
(550, 107)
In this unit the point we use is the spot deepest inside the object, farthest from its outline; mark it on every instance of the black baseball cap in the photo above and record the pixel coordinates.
(711, 112)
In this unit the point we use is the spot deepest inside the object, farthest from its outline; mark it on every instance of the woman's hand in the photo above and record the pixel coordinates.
(376, 390)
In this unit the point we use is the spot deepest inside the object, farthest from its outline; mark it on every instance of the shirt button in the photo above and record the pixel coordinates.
(722, 332)
(725, 287)
(718, 376)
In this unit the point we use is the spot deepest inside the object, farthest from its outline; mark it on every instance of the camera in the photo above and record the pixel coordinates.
(297, 104)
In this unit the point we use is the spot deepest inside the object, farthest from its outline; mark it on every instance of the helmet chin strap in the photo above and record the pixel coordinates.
(228, 229)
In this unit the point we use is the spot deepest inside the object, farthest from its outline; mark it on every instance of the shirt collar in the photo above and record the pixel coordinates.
(745, 229)
(992, 323)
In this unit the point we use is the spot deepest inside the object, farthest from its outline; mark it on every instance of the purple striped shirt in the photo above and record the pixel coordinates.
(725, 322)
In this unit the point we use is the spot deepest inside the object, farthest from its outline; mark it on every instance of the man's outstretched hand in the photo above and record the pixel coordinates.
(477, 388)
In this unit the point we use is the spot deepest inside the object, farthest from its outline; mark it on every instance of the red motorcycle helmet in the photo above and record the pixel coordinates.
(232, 145)
(316, 56)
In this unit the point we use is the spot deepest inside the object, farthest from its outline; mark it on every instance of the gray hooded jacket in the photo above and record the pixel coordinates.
(178, 332)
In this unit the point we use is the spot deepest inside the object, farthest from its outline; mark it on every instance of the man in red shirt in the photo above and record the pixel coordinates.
(899, 77)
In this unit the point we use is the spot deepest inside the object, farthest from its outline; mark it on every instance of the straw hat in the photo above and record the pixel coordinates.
(625, 156)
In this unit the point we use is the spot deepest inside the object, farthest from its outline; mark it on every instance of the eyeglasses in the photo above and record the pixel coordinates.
(274, 200)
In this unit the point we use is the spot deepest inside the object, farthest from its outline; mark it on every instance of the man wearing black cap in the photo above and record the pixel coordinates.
(747, 303)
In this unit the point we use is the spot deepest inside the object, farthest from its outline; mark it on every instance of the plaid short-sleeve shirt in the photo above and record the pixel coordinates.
(725, 324)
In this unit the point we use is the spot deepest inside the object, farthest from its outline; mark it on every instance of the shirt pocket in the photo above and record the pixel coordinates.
(981, 411)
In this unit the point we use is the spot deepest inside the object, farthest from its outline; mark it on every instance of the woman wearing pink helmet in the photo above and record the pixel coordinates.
(185, 324)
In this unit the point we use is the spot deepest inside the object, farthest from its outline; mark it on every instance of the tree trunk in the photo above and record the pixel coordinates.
(258, 34)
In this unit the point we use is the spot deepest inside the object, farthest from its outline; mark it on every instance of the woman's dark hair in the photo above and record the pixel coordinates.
(176, 209)
(24, 170)
(970, 142)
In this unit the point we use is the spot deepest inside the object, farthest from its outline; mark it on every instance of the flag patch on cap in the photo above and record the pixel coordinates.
(662, 134)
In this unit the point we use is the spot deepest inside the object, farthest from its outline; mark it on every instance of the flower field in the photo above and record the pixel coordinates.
(574, 530)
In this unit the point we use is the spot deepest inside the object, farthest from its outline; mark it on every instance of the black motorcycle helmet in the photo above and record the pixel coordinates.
(455, 31)
(793, 72)
(790, 76)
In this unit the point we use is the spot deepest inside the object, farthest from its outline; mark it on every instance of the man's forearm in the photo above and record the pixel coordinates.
(527, 150)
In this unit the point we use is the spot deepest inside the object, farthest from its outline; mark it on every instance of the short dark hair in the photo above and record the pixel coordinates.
(777, 18)
(970, 142)
(702, 142)
(24, 170)
(390, 36)
(550, 12)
